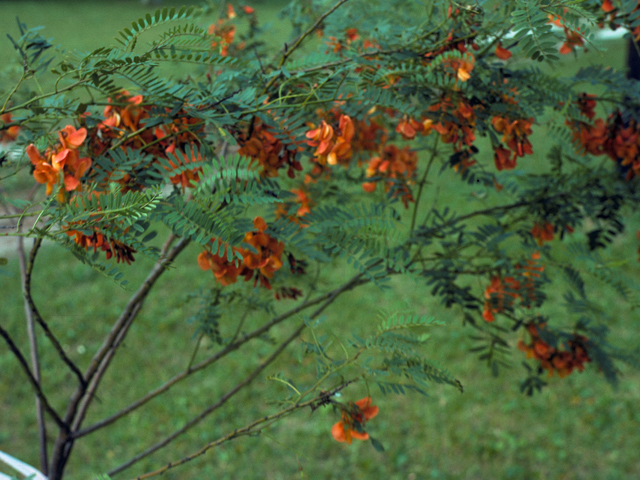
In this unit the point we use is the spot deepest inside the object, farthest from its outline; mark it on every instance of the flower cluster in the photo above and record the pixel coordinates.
(461, 67)
(271, 154)
(124, 127)
(223, 32)
(260, 262)
(353, 420)
(98, 240)
(542, 233)
(61, 161)
(456, 123)
(409, 127)
(515, 135)
(332, 142)
(573, 38)
(552, 359)
(302, 199)
(500, 294)
(617, 138)
(397, 167)
(524, 286)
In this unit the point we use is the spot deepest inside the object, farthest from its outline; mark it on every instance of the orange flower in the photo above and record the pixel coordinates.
(333, 145)
(8, 134)
(515, 134)
(353, 420)
(397, 167)
(261, 262)
(463, 67)
(268, 258)
(409, 127)
(188, 178)
(504, 159)
(502, 53)
(269, 151)
(62, 160)
(224, 271)
(305, 202)
(607, 6)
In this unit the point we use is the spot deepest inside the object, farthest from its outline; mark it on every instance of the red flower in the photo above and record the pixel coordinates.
(542, 233)
(562, 362)
(353, 419)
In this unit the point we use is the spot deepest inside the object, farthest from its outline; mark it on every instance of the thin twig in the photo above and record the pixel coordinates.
(25, 366)
(35, 362)
(288, 51)
(250, 428)
(213, 407)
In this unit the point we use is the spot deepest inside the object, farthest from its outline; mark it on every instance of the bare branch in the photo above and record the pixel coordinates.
(251, 428)
(26, 291)
(288, 51)
(25, 367)
(355, 281)
(25, 275)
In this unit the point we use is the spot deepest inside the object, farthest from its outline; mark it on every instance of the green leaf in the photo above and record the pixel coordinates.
(376, 444)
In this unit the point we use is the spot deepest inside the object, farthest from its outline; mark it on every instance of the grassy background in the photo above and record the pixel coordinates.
(579, 428)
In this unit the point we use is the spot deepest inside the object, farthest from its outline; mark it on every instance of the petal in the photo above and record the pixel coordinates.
(203, 260)
(34, 155)
(260, 224)
(338, 433)
(358, 435)
(58, 159)
(70, 183)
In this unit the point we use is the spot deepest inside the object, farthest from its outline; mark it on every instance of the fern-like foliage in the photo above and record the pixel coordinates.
(159, 18)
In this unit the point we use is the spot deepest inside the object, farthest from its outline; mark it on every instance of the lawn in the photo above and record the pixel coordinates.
(577, 428)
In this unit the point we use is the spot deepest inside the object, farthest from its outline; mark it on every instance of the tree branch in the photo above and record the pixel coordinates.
(25, 276)
(25, 366)
(26, 291)
(77, 407)
(288, 51)
(248, 429)
(329, 299)
(356, 281)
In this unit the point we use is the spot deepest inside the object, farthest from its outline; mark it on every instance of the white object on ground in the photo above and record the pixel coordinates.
(19, 466)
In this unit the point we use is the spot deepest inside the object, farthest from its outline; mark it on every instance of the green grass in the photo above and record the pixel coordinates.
(578, 428)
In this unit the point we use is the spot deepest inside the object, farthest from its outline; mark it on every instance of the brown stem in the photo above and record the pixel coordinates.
(25, 275)
(329, 299)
